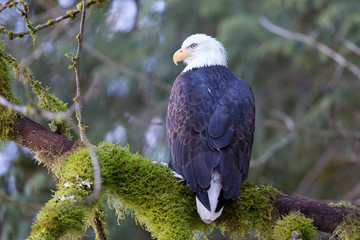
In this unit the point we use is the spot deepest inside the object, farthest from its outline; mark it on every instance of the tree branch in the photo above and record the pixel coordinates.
(76, 60)
(47, 145)
(70, 14)
(312, 42)
(4, 5)
(94, 160)
(326, 217)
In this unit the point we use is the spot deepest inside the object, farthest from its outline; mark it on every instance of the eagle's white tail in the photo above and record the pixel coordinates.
(213, 194)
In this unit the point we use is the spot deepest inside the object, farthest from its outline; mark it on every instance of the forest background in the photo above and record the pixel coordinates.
(307, 95)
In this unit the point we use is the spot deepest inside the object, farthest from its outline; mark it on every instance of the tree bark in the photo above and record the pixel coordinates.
(49, 146)
(326, 217)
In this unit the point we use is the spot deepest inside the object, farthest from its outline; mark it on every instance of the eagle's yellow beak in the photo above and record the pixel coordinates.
(180, 55)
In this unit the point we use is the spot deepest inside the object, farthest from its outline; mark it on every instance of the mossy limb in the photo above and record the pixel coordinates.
(349, 229)
(46, 100)
(66, 216)
(157, 201)
(295, 224)
(252, 210)
(7, 116)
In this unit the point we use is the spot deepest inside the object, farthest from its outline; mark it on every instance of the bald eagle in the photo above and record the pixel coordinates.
(210, 125)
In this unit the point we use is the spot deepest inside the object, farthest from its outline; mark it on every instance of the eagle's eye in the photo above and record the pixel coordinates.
(194, 45)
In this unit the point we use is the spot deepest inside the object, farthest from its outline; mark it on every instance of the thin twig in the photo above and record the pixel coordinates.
(5, 5)
(273, 149)
(76, 60)
(334, 80)
(34, 111)
(89, 93)
(350, 45)
(99, 227)
(312, 42)
(42, 26)
(94, 160)
(324, 133)
(70, 14)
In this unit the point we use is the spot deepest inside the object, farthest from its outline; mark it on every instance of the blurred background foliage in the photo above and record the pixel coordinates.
(308, 106)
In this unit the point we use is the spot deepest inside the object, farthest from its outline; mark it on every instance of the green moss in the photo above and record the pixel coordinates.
(344, 204)
(79, 6)
(89, 3)
(163, 206)
(253, 210)
(31, 29)
(10, 35)
(66, 215)
(157, 201)
(50, 22)
(46, 100)
(72, 14)
(166, 208)
(349, 229)
(295, 223)
(59, 218)
(7, 116)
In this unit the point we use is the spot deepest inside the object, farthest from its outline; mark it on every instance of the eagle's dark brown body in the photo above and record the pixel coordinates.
(210, 126)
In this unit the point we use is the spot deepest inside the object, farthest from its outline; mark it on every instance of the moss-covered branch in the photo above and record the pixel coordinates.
(166, 207)
(47, 145)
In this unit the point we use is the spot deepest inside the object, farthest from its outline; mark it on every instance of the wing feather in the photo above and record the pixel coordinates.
(210, 124)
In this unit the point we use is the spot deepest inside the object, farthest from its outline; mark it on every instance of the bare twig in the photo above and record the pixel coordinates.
(334, 80)
(350, 45)
(42, 26)
(324, 133)
(273, 149)
(314, 172)
(5, 5)
(70, 14)
(94, 160)
(288, 121)
(312, 42)
(34, 111)
(89, 93)
(76, 60)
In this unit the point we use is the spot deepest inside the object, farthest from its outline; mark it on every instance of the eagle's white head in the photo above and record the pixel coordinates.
(200, 50)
